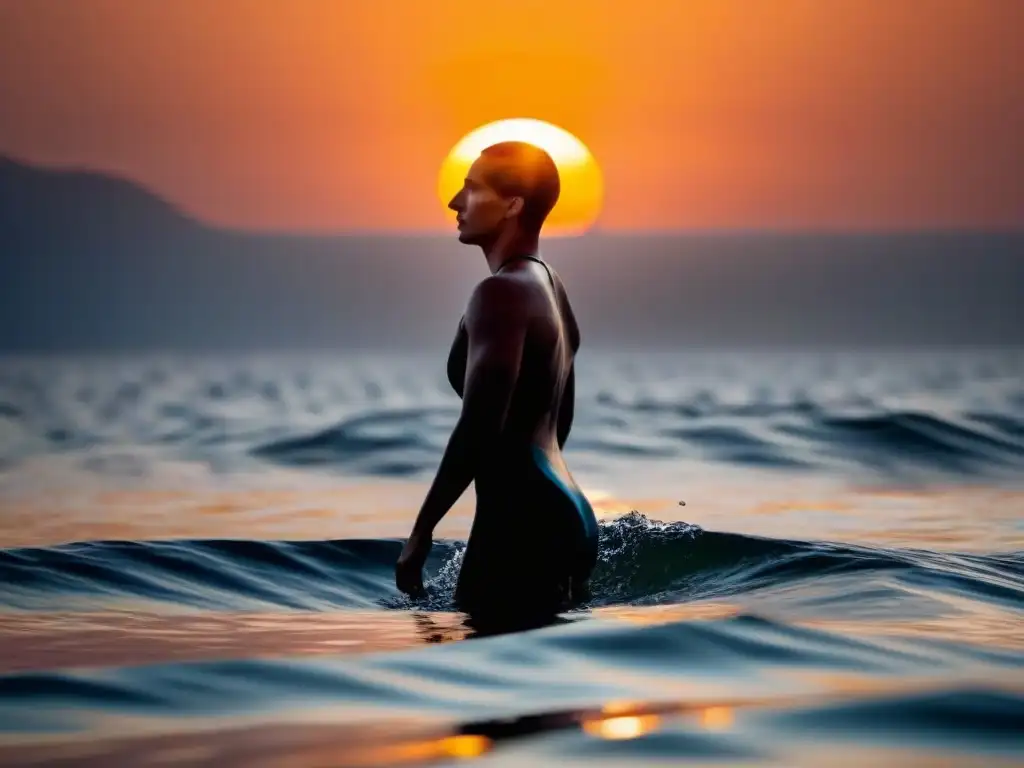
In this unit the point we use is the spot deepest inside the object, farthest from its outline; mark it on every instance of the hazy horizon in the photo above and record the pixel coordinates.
(125, 271)
(448, 234)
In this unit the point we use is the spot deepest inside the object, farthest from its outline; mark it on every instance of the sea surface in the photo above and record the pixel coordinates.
(808, 558)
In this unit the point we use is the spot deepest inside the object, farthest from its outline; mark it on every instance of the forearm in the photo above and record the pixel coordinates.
(455, 473)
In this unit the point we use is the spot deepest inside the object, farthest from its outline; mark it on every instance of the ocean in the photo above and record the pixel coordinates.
(808, 558)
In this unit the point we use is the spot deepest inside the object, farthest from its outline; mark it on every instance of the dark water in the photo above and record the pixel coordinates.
(742, 687)
(199, 568)
(641, 563)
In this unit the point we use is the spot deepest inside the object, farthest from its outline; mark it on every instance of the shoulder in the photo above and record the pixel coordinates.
(498, 296)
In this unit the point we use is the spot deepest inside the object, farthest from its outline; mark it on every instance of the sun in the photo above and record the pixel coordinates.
(579, 202)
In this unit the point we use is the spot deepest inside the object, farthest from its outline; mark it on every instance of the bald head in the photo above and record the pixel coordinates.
(519, 169)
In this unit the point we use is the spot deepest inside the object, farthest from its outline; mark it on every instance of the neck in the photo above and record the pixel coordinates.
(509, 244)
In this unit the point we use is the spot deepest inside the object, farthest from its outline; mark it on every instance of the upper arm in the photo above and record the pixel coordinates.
(496, 323)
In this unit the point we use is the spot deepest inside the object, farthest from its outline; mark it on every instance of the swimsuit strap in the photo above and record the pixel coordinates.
(531, 258)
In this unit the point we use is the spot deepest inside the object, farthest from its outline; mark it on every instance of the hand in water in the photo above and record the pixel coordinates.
(409, 568)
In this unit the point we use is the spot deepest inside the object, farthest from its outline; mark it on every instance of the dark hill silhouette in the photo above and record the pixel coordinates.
(85, 202)
(93, 262)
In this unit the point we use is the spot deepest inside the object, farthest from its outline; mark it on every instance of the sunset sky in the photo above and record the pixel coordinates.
(336, 116)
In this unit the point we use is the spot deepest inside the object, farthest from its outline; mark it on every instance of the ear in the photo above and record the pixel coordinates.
(515, 207)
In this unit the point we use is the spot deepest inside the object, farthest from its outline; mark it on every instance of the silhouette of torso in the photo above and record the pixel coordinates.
(549, 349)
(534, 536)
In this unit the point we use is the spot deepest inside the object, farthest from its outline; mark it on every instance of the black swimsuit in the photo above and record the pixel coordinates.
(533, 543)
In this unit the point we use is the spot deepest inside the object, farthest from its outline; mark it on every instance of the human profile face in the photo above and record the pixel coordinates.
(482, 212)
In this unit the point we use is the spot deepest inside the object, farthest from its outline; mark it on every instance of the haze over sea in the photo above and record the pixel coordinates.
(198, 545)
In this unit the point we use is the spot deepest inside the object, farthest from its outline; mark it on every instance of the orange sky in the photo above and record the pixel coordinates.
(320, 115)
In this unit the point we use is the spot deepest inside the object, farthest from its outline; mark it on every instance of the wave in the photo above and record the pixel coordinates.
(504, 687)
(948, 416)
(390, 443)
(913, 436)
(398, 444)
(642, 562)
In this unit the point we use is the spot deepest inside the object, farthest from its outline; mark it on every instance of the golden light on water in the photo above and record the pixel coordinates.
(621, 707)
(460, 747)
(465, 746)
(716, 718)
(620, 720)
(582, 194)
(625, 727)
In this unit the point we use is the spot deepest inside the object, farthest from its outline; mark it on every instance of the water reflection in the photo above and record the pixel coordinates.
(39, 640)
(459, 746)
(987, 626)
(960, 517)
(751, 727)
(716, 718)
(621, 727)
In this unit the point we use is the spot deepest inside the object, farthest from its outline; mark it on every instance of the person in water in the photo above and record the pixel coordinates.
(533, 542)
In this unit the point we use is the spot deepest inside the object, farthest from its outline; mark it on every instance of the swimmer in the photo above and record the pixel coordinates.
(533, 542)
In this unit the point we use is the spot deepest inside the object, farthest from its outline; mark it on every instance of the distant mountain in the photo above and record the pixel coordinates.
(85, 203)
(93, 262)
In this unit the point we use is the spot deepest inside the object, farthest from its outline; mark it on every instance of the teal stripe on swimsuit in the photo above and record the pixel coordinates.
(579, 501)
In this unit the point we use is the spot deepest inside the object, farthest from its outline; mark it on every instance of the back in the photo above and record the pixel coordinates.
(552, 340)
(544, 392)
